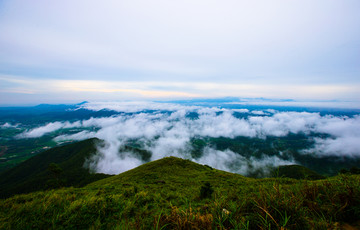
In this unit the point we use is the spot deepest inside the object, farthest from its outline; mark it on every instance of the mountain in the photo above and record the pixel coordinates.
(173, 193)
(56, 167)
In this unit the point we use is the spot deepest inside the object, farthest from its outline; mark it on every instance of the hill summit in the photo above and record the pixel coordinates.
(171, 170)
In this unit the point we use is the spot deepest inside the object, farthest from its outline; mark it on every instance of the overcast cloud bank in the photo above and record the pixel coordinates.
(178, 49)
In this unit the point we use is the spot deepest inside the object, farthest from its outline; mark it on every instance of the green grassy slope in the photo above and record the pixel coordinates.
(172, 171)
(172, 193)
(34, 174)
(296, 172)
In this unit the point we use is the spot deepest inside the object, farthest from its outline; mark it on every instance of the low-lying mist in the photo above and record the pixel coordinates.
(156, 130)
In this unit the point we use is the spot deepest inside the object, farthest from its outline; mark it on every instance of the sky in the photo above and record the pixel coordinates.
(71, 51)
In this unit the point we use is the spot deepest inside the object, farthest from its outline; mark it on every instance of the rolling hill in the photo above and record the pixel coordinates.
(173, 193)
(56, 167)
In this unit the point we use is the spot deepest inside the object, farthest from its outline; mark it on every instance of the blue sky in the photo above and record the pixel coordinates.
(69, 51)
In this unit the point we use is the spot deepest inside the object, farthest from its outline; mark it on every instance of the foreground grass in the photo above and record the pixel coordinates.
(166, 194)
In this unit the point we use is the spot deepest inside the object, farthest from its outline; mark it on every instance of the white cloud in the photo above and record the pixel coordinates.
(109, 160)
(223, 125)
(348, 146)
(241, 110)
(224, 160)
(40, 131)
(258, 112)
(271, 110)
(339, 126)
(344, 137)
(76, 137)
(233, 162)
(48, 128)
(169, 134)
(7, 125)
(283, 123)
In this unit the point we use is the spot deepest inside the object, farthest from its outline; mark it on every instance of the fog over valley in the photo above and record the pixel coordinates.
(245, 140)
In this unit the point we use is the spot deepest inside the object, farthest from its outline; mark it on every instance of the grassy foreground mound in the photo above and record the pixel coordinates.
(172, 193)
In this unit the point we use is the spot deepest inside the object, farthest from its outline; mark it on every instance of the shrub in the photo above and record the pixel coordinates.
(206, 191)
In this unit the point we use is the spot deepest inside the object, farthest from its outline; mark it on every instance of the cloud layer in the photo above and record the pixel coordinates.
(167, 130)
(106, 50)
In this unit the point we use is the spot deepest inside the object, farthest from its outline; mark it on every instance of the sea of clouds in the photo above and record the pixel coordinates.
(166, 129)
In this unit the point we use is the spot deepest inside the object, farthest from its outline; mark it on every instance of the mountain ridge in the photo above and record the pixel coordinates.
(36, 174)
